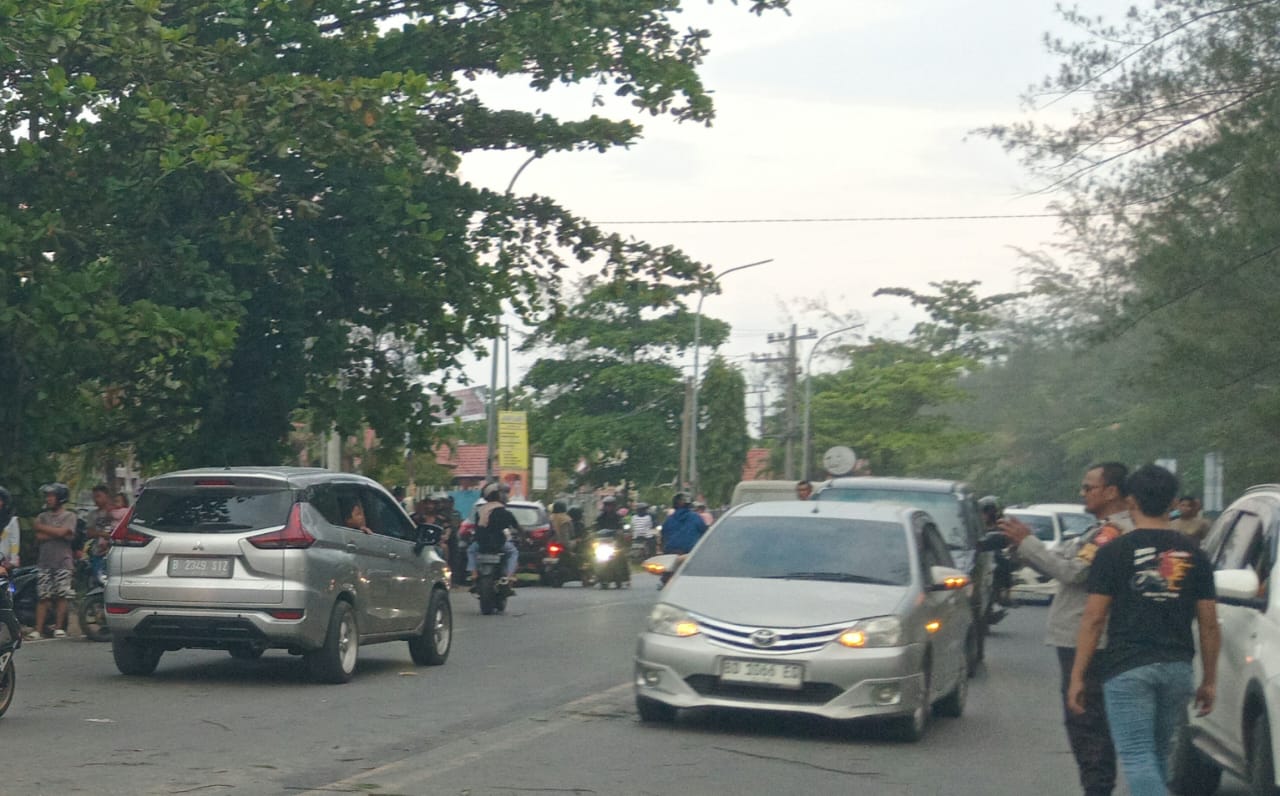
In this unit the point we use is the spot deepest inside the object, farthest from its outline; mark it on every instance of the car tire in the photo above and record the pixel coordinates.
(8, 684)
(431, 648)
(912, 727)
(247, 652)
(1190, 772)
(554, 578)
(93, 618)
(335, 662)
(134, 658)
(1262, 769)
(952, 705)
(654, 712)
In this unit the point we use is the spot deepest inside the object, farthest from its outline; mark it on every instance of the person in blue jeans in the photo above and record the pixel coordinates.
(1145, 588)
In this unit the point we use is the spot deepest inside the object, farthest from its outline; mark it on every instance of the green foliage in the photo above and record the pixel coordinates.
(722, 432)
(215, 213)
(611, 397)
(960, 321)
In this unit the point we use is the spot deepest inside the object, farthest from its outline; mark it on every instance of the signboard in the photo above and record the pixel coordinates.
(540, 468)
(513, 441)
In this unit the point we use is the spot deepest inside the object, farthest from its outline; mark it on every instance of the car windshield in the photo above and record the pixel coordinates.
(1039, 524)
(211, 509)
(804, 548)
(1076, 524)
(943, 507)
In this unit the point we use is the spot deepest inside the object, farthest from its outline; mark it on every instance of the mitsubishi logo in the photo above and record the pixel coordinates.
(764, 638)
(199, 545)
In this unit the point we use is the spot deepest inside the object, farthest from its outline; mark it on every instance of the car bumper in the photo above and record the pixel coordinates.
(838, 683)
(223, 626)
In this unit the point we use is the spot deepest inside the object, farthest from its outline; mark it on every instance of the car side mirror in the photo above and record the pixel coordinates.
(659, 565)
(947, 579)
(428, 534)
(1239, 587)
(992, 541)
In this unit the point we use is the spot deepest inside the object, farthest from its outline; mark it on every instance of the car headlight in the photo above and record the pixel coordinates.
(604, 551)
(883, 631)
(669, 620)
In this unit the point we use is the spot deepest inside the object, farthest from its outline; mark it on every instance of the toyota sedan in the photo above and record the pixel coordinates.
(840, 610)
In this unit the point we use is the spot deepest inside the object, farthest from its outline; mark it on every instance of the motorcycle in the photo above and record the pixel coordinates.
(24, 588)
(612, 564)
(491, 583)
(563, 563)
(643, 547)
(92, 609)
(10, 641)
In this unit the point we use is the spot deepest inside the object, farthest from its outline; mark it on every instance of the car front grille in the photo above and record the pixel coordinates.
(808, 694)
(788, 640)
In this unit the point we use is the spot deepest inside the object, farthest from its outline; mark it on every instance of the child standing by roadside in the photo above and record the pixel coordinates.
(55, 530)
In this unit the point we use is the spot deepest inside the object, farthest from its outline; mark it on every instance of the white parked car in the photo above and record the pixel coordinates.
(1239, 735)
(1052, 523)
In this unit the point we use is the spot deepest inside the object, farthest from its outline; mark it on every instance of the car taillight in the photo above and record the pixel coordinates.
(286, 613)
(291, 537)
(118, 609)
(554, 549)
(540, 532)
(124, 536)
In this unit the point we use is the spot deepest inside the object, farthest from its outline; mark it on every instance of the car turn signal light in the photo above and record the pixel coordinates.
(956, 582)
(654, 569)
(686, 628)
(933, 626)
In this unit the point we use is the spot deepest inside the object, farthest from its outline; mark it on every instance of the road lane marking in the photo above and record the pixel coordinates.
(404, 775)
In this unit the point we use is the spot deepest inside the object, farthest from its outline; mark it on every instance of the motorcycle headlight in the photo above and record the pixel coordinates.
(669, 620)
(604, 551)
(883, 631)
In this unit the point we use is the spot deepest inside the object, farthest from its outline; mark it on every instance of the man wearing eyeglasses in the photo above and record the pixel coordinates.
(1102, 489)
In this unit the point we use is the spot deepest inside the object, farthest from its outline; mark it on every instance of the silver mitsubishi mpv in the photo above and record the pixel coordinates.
(246, 559)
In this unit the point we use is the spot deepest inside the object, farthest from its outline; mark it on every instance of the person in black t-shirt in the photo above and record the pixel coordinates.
(1150, 584)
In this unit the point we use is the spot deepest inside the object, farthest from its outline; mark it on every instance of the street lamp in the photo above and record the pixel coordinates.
(697, 343)
(493, 373)
(808, 397)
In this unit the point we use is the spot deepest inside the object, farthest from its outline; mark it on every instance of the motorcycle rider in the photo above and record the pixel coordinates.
(642, 529)
(1002, 578)
(494, 526)
(609, 519)
(683, 529)
(562, 523)
(9, 534)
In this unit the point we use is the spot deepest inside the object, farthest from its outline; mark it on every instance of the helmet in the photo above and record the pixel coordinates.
(989, 502)
(491, 491)
(558, 507)
(609, 500)
(641, 508)
(679, 499)
(58, 490)
(575, 512)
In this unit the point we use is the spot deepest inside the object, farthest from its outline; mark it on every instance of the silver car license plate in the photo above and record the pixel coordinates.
(202, 567)
(778, 675)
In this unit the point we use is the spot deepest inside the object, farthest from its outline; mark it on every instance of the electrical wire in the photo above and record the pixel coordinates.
(836, 220)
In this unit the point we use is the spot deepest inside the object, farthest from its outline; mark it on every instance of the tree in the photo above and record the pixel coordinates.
(722, 431)
(214, 213)
(960, 321)
(611, 396)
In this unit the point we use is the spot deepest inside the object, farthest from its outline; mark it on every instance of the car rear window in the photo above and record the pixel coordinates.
(816, 548)
(1039, 524)
(528, 516)
(211, 509)
(944, 507)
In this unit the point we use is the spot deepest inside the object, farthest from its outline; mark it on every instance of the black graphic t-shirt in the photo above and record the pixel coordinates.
(1154, 577)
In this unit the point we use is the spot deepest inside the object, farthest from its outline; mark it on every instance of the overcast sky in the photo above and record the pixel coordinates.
(845, 108)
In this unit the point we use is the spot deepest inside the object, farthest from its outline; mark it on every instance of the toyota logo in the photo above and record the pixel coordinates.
(764, 638)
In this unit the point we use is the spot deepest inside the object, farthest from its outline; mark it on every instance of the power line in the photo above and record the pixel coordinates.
(833, 220)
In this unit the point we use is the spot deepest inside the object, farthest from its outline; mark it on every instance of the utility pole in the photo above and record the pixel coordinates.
(686, 435)
(790, 361)
(759, 390)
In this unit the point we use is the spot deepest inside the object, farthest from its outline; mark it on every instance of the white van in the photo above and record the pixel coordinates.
(765, 491)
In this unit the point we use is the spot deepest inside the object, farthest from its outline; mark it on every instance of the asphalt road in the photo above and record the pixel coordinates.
(537, 701)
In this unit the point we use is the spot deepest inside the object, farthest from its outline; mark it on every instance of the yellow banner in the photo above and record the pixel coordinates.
(513, 440)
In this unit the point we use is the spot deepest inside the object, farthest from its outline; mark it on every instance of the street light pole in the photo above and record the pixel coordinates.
(697, 344)
(489, 468)
(808, 399)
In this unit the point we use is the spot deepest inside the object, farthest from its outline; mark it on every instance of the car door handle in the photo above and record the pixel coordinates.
(351, 547)
(394, 556)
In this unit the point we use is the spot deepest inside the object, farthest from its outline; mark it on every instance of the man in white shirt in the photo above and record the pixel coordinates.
(10, 536)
